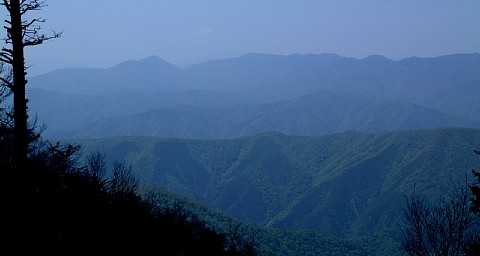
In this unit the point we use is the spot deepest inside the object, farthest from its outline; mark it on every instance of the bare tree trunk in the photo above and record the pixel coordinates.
(20, 34)
(19, 85)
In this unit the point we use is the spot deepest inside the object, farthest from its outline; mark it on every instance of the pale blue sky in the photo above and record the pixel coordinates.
(103, 33)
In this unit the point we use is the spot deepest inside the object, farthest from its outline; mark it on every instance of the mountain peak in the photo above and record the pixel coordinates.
(376, 58)
(152, 61)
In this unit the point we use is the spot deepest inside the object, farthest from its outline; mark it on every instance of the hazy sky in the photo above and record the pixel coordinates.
(103, 33)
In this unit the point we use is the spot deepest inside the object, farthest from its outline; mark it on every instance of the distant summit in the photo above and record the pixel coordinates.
(377, 59)
(149, 62)
(146, 74)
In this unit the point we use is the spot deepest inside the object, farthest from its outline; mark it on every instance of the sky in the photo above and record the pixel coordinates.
(104, 33)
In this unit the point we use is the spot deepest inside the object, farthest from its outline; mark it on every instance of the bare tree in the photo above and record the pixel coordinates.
(240, 241)
(123, 180)
(475, 188)
(474, 248)
(6, 77)
(446, 228)
(21, 33)
(96, 168)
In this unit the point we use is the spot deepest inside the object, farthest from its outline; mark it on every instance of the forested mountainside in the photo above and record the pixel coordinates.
(275, 241)
(71, 99)
(348, 184)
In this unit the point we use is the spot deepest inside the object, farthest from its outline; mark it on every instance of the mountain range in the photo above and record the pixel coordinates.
(259, 92)
(297, 143)
(315, 114)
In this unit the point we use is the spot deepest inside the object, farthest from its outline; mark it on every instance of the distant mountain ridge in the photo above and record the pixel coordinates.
(315, 114)
(446, 84)
(127, 76)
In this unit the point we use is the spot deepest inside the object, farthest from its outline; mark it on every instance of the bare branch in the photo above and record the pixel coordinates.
(28, 24)
(7, 5)
(5, 57)
(31, 5)
(6, 82)
(6, 77)
(442, 229)
(40, 39)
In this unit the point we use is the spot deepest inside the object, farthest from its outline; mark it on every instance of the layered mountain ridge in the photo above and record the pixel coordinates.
(433, 90)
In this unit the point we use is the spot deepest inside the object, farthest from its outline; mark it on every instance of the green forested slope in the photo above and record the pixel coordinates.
(348, 185)
(273, 241)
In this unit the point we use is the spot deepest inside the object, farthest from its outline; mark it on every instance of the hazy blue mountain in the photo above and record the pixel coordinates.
(450, 84)
(65, 111)
(315, 114)
(348, 184)
(142, 76)
(447, 83)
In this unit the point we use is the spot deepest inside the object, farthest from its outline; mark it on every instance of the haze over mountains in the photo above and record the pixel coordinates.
(257, 93)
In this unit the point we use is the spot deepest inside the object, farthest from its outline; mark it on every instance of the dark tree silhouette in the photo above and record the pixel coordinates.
(447, 227)
(240, 242)
(96, 167)
(123, 182)
(21, 32)
(475, 188)
(474, 247)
